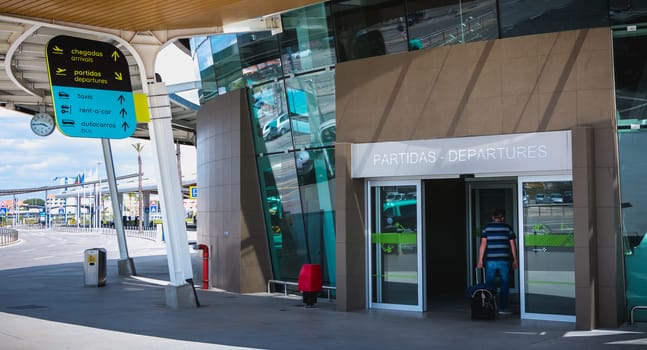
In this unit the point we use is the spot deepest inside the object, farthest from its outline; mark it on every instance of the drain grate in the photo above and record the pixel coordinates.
(27, 307)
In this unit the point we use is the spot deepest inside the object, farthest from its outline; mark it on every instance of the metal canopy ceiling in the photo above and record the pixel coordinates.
(27, 25)
(145, 15)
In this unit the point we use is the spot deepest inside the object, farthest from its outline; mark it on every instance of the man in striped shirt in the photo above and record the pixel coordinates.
(498, 244)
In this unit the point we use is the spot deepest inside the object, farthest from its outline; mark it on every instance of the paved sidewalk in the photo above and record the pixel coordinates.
(47, 307)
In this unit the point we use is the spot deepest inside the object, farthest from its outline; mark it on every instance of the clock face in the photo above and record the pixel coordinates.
(42, 124)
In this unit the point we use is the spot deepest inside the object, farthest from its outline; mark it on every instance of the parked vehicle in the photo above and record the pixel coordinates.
(540, 198)
(394, 196)
(276, 127)
(568, 196)
(556, 198)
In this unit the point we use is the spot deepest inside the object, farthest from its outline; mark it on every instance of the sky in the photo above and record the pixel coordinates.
(27, 160)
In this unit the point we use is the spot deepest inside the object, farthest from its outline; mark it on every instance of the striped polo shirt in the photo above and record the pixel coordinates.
(498, 235)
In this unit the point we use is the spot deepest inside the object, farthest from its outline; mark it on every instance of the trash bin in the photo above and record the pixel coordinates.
(94, 267)
(310, 283)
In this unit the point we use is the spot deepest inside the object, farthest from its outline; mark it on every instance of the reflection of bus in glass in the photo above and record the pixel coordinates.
(400, 215)
(399, 231)
(276, 214)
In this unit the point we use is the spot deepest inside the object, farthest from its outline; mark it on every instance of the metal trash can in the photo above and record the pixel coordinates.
(94, 267)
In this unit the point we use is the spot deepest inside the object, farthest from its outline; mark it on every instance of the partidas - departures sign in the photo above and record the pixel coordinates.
(91, 90)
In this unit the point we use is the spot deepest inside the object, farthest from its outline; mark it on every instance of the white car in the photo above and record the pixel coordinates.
(276, 127)
(556, 198)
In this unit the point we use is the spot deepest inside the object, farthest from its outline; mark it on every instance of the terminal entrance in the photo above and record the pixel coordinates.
(456, 210)
(425, 237)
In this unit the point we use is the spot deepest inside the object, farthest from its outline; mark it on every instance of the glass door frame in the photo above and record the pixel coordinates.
(521, 250)
(422, 302)
(473, 245)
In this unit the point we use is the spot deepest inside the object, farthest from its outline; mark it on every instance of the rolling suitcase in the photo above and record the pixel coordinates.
(482, 299)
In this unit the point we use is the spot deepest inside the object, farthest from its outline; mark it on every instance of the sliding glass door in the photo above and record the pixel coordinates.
(395, 245)
(546, 246)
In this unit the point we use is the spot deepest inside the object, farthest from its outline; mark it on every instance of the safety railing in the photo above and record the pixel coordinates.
(633, 310)
(149, 233)
(285, 284)
(8, 236)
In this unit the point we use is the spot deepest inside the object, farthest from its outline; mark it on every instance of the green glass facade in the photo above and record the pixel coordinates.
(630, 61)
(290, 78)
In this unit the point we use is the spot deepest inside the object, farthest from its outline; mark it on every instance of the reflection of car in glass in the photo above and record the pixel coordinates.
(568, 196)
(276, 127)
(283, 123)
(274, 205)
(269, 130)
(400, 215)
(399, 233)
(328, 131)
(540, 198)
(276, 214)
(556, 198)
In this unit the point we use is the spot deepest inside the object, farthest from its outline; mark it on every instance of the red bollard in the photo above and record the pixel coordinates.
(205, 265)
(310, 283)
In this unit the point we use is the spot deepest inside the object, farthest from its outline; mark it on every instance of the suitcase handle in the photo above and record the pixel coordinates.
(481, 275)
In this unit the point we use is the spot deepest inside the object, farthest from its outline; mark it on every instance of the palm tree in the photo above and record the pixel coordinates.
(138, 147)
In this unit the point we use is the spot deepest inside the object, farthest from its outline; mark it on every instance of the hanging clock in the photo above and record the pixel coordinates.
(42, 124)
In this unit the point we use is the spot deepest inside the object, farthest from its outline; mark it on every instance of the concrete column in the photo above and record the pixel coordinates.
(351, 243)
(170, 194)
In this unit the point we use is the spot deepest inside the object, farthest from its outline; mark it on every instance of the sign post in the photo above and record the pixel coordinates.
(91, 90)
(92, 97)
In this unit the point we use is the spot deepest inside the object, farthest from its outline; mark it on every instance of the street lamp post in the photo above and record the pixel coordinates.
(64, 198)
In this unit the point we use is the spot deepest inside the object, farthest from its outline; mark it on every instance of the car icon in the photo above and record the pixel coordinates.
(67, 122)
(62, 94)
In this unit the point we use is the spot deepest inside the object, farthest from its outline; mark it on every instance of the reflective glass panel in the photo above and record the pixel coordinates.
(311, 103)
(288, 244)
(548, 248)
(534, 17)
(204, 58)
(369, 28)
(307, 40)
(270, 112)
(226, 59)
(316, 174)
(630, 68)
(260, 57)
(633, 171)
(435, 23)
(627, 11)
(394, 245)
(194, 42)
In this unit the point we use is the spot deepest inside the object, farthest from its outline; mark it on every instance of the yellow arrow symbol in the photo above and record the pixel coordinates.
(118, 76)
(115, 55)
(61, 71)
(57, 49)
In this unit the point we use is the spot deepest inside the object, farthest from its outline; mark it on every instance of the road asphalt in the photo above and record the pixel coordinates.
(45, 304)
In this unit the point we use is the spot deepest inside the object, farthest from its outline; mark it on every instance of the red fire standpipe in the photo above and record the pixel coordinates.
(205, 265)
